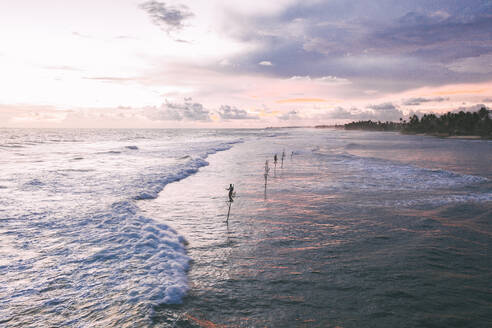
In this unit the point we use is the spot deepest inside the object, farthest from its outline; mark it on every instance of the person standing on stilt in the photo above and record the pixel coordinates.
(231, 192)
(267, 170)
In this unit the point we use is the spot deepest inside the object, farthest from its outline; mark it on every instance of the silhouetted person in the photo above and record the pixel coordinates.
(275, 159)
(231, 192)
(283, 156)
(267, 170)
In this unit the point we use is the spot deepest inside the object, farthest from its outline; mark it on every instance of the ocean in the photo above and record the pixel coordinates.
(128, 228)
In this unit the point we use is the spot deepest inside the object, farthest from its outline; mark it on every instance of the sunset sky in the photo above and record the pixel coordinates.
(149, 64)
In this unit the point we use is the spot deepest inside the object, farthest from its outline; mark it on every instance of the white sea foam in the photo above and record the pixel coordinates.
(366, 173)
(442, 200)
(81, 237)
(76, 250)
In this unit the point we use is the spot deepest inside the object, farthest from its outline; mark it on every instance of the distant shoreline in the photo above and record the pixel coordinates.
(446, 136)
(438, 135)
(461, 125)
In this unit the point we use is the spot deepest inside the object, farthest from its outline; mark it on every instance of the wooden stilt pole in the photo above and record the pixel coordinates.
(228, 212)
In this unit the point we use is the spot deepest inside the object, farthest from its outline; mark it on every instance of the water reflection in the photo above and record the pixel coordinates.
(333, 247)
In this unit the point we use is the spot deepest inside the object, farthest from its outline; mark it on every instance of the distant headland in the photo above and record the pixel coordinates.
(461, 124)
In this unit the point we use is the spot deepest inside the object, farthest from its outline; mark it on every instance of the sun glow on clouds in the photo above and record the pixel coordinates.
(64, 67)
(299, 61)
(300, 100)
(453, 91)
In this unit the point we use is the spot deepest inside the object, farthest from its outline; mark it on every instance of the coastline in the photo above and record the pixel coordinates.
(466, 137)
(442, 135)
(344, 235)
(438, 135)
(310, 250)
(462, 125)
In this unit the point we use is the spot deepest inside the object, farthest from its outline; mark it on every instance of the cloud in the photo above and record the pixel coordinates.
(407, 43)
(419, 100)
(300, 100)
(380, 115)
(430, 35)
(459, 91)
(379, 112)
(126, 37)
(232, 113)
(111, 79)
(342, 113)
(480, 64)
(386, 111)
(332, 80)
(186, 111)
(265, 63)
(169, 18)
(82, 35)
(15, 115)
(472, 108)
(487, 100)
(382, 107)
(63, 68)
(292, 115)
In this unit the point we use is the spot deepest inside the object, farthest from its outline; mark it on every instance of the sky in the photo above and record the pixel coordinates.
(187, 63)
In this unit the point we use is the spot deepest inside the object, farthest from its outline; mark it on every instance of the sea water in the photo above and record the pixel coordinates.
(74, 247)
(354, 229)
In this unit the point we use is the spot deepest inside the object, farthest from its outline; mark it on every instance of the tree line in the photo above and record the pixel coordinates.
(450, 124)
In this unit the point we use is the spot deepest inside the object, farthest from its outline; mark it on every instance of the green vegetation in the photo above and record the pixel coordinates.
(450, 124)
(374, 126)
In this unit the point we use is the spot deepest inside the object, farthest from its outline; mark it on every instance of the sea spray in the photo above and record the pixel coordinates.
(74, 243)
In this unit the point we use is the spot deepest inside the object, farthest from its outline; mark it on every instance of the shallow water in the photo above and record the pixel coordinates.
(357, 229)
(74, 247)
(340, 238)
